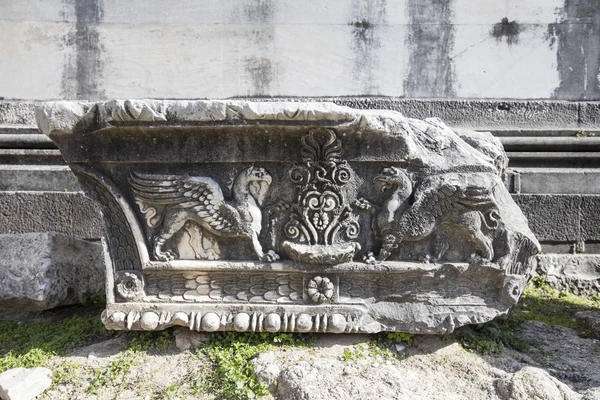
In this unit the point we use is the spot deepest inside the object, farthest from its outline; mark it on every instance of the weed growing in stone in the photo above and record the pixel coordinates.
(354, 353)
(31, 344)
(541, 302)
(231, 355)
(139, 345)
(384, 343)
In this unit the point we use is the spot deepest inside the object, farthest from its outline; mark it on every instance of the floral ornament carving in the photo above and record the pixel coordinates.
(320, 289)
(321, 220)
(130, 285)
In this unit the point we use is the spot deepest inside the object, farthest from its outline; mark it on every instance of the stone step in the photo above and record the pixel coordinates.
(553, 159)
(37, 178)
(31, 156)
(555, 180)
(551, 144)
(18, 129)
(25, 141)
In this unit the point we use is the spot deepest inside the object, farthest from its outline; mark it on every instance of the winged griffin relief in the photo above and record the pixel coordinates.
(442, 208)
(171, 203)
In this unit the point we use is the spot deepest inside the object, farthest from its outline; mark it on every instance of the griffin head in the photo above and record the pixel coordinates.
(392, 178)
(257, 181)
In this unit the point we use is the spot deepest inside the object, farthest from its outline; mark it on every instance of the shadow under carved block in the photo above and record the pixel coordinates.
(295, 217)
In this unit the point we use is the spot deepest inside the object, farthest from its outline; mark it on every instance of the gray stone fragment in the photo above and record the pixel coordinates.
(24, 384)
(295, 217)
(577, 273)
(589, 321)
(40, 271)
(185, 339)
(267, 370)
(532, 383)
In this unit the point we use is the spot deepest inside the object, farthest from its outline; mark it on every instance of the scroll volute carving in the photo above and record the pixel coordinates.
(322, 227)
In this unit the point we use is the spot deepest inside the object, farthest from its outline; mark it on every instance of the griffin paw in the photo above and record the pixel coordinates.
(164, 255)
(476, 258)
(383, 255)
(369, 258)
(428, 259)
(278, 207)
(269, 256)
(212, 255)
(363, 204)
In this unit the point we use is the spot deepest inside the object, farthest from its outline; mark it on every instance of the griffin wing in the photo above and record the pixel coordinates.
(202, 194)
(431, 204)
(449, 196)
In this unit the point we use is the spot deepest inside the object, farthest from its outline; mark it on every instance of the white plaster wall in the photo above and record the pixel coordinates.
(52, 49)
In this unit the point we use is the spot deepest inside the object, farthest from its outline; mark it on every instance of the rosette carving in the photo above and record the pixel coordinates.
(320, 289)
(130, 285)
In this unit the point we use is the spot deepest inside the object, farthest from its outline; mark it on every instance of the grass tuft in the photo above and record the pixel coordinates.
(231, 355)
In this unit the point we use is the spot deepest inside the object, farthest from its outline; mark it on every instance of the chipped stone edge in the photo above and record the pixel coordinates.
(65, 117)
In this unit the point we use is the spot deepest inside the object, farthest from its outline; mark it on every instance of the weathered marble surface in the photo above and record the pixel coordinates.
(24, 383)
(40, 271)
(233, 215)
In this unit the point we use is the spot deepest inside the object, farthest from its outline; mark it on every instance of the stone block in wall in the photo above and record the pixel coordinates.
(590, 218)
(65, 212)
(568, 218)
(577, 273)
(589, 114)
(552, 217)
(40, 271)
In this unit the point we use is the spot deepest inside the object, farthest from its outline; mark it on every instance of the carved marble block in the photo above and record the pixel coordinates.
(294, 217)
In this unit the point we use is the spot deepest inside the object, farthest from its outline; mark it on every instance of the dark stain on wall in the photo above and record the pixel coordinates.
(368, 16)
(261, 74)
(260, 70)
(260, 11)
(508, 30)
(83, 67)
(577, 36)
(430, 40)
